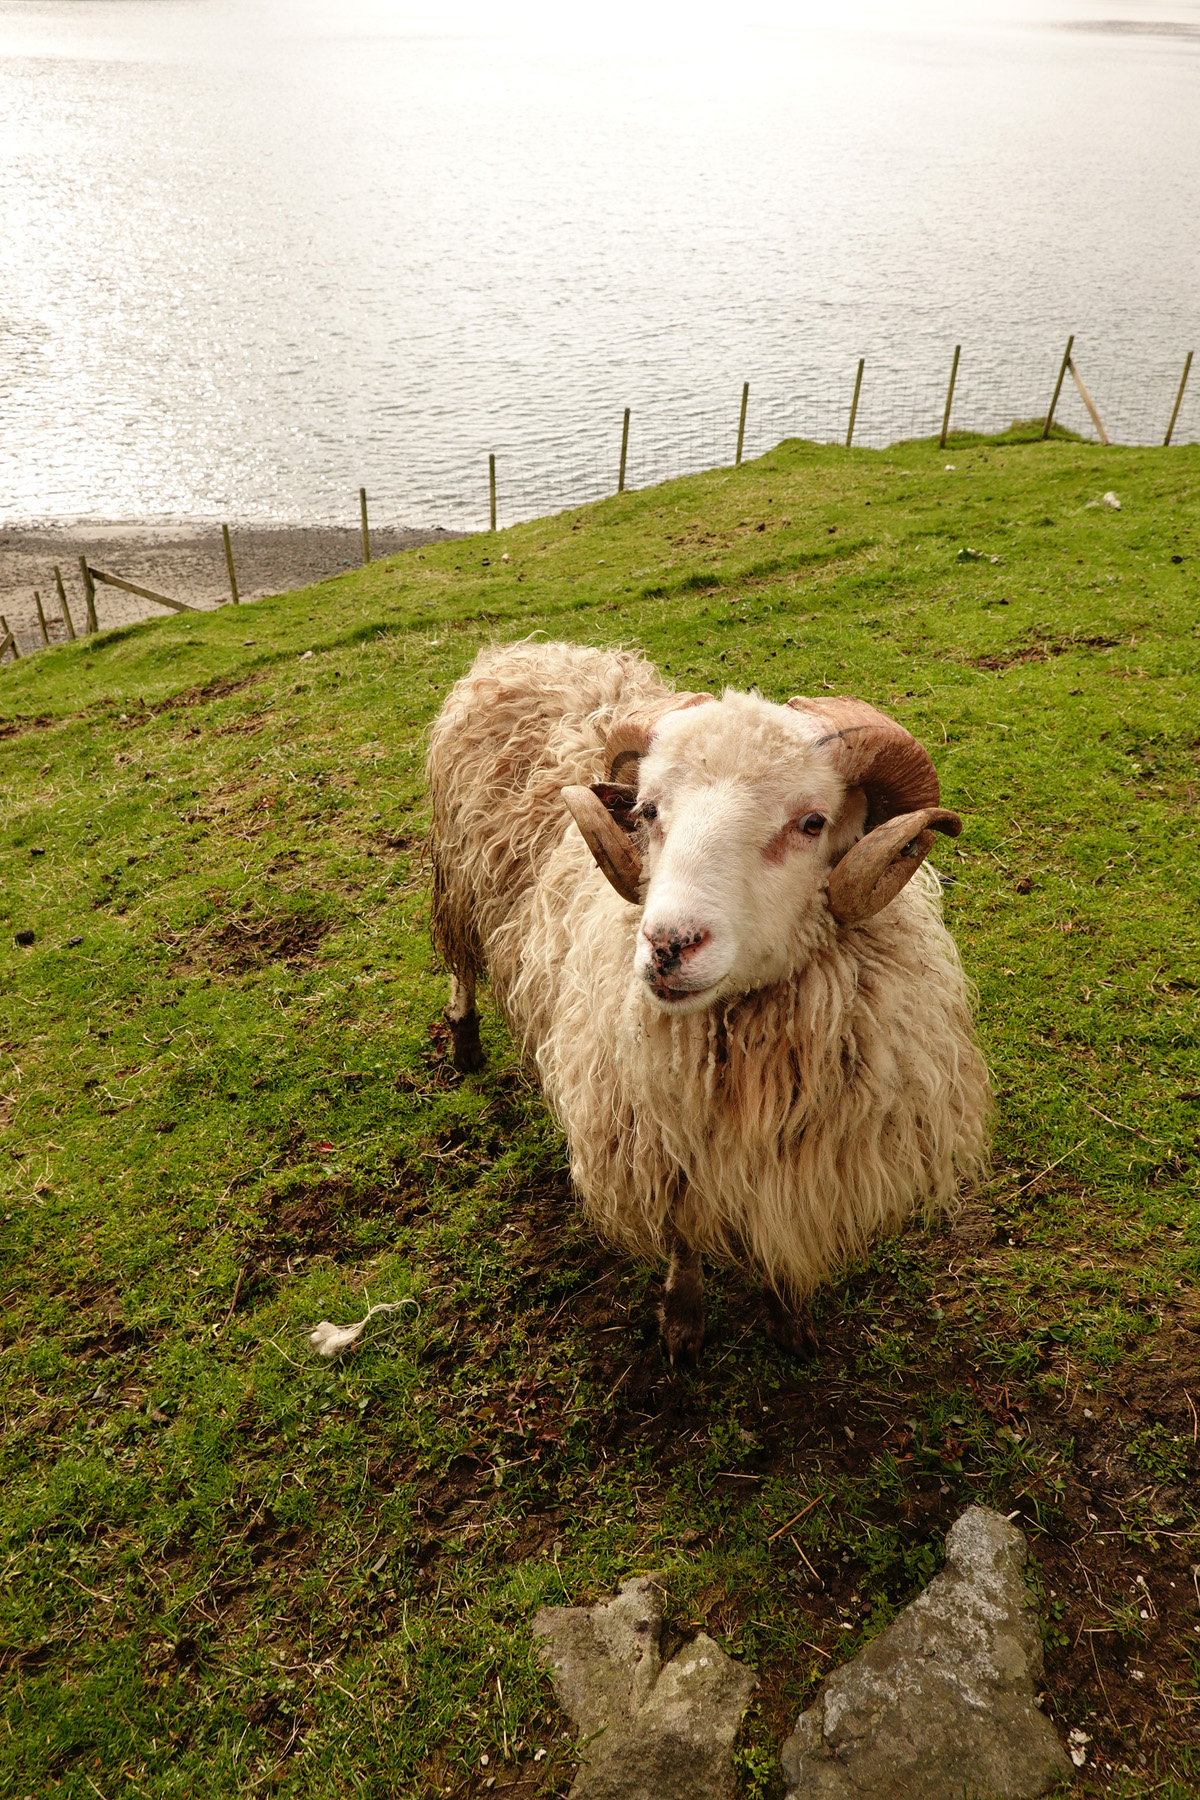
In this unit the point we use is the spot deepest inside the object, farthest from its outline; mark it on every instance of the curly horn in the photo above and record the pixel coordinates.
(614, 849)
(629, 738)
(875, 753)
(604, 811)
(878, 866)
(897, 775)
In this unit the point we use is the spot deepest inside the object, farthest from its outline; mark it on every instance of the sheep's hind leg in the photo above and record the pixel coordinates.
(464, 1024)
(790, 1324)
(681, 1315)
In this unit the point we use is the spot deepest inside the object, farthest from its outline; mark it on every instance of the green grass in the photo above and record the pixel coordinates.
(228, 1567)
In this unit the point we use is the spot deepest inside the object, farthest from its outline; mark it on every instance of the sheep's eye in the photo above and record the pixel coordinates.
(648, 810)
(812, 824)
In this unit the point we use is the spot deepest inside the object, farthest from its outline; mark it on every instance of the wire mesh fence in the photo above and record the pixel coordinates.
(538, 475)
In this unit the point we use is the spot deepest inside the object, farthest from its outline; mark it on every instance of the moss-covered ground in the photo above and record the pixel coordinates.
(230, 1567)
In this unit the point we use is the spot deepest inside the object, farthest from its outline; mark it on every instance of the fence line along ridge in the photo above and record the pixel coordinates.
(884, 407)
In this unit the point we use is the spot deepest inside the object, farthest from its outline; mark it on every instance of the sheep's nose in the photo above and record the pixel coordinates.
(670, 948)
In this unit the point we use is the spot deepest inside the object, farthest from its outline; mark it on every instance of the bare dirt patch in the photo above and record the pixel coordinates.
(17, 727)
(199, 695)
(1041, 651)
(317, 1220)
(239, 944)
(244, 944)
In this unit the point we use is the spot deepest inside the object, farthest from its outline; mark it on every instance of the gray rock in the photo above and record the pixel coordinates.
(648, 1731)
(940, 1705)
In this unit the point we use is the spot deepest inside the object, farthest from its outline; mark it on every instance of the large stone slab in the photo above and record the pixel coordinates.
(941, 1703)
(648, 1731)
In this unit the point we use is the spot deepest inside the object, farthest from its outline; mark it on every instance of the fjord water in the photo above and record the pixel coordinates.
(254, 254)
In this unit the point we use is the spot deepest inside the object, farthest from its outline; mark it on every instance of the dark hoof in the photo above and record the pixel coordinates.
(682, 1330)
(467, 1050)
(790, 1326)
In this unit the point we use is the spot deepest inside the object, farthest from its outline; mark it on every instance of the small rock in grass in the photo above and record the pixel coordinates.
(942, 1702)
(1110, 499)
(36, 849)
(648, 1729)
(24, 938)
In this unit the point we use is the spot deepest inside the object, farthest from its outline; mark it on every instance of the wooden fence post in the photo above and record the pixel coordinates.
(1178, 399)
(1062, 375)
(624, 453)
(233, 587)
(1077, 378)
(7, 640)
(37, 601)
(862, 363)
(366, 529)
(62, 601)
(742, 421)
(492, 487)
(89, 594)
(949, 399)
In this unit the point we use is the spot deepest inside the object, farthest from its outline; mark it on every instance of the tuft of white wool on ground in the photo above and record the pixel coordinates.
(330, 1340)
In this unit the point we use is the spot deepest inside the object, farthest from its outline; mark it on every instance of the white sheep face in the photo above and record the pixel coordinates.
(744, 817)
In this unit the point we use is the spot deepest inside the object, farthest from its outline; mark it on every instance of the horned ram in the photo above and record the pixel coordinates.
(709, 925)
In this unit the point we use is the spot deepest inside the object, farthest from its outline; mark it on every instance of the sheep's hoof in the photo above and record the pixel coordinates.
(681, 1321)
(790, 1326)
(467, 1049)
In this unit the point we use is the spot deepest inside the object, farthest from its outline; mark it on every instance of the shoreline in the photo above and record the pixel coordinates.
(185, 562)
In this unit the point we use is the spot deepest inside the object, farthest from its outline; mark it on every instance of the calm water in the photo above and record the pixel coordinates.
(253, 255)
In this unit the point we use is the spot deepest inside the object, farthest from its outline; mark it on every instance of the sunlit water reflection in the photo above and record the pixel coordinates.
(256, 255)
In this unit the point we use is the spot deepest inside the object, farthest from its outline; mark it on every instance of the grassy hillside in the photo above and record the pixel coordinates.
(227, 1566)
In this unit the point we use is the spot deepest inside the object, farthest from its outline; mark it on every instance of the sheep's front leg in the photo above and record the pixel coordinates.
(681, 1315)
(790, 1323)
(464, 1024)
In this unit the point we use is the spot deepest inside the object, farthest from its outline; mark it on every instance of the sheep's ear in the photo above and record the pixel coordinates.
(871, 874)
(603, 815)
(618, 801)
